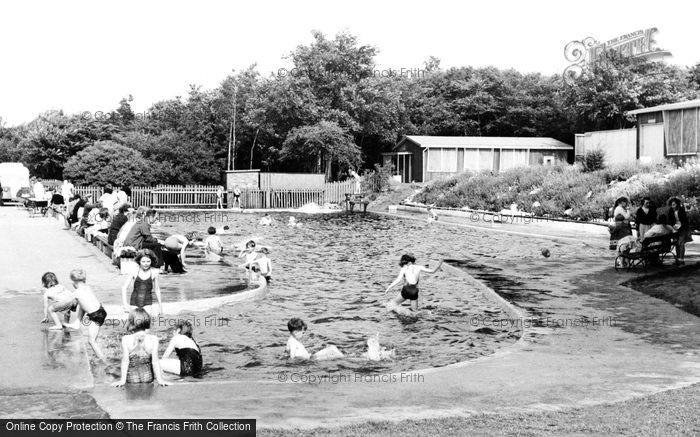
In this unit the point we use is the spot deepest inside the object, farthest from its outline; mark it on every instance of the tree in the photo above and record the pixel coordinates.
(327, 142)
(45, 145)
(174, 158)
(107, 162)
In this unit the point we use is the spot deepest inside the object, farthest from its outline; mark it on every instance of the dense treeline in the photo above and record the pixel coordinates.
(330, 112)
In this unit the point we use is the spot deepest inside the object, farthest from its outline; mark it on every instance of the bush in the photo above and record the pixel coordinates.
(107, 162)
(593, 160)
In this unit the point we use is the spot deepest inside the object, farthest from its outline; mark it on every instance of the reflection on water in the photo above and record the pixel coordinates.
(332, 273)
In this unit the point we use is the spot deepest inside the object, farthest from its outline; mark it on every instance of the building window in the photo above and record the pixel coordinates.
(548, 160)
(442, 160)
(681, 130)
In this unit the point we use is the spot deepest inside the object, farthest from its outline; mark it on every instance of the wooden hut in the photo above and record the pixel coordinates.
(424, 158)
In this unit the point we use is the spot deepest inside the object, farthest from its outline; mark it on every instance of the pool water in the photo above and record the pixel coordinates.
(332, 272)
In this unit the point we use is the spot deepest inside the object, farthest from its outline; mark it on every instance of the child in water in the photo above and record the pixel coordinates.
(213, 244)
(85, 297)
(140, 362)
(261, 264)
(432, 215)
(297, 328)
(189, 356)
(266, 220)
(145, 281)
(410, 273)
(293, 223)
(56, 293)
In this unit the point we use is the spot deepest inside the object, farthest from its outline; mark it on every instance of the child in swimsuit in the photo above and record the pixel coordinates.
(189, 362)
(140, 362)
(56, 293)
(297, 328)
(261, 264)
(213, 244)
(89, 306)
(236, 197)
(145, 281)
(266, 220)
(410, 273)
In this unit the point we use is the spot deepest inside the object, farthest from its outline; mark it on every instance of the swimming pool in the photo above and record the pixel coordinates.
(331, 272)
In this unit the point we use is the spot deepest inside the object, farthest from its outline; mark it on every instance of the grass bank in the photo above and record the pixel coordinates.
(563, 190)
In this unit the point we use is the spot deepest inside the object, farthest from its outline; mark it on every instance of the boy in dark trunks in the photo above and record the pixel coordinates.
(90, 307)
(410, 273)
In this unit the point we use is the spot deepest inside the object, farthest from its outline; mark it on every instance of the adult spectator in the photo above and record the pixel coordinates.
(678, 219)
(58, 199)
(101, 223)
(67, 189)
(140, 237)
(39, 191)
(661, 227)
(123, 195)
(108, 199)
(646, 217)
(117, 222)
(77, 203)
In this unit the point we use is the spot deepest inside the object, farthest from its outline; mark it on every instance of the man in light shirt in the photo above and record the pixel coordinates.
(39, 191)
(108, 199)
(67, 190)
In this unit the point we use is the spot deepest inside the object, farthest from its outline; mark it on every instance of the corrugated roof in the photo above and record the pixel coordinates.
(667, 107)
(488, 142)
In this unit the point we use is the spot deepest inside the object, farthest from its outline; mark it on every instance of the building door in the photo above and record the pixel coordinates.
(496, 160)
(651, 142)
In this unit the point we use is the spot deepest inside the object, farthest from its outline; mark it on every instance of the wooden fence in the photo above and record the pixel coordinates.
(204, 196)
(192, 196)
(258, 199)
(334, 192)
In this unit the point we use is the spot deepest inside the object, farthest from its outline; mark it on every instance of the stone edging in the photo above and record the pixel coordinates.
(116, 312)
(498, 218)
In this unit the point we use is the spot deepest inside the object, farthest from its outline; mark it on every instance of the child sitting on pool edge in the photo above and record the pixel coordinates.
(297, 328)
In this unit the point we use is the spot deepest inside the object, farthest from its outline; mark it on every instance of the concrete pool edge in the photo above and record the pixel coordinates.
(116, 312)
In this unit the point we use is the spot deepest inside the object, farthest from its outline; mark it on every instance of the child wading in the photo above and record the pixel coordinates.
(56, 293)
(84, 297)
(410, 273)
(145, 281)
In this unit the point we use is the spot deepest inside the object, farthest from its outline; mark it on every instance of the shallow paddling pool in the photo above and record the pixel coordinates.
(331, 272)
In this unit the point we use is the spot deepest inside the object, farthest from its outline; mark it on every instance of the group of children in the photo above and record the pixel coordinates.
(140, 361)
(81, 301)
(267, 220)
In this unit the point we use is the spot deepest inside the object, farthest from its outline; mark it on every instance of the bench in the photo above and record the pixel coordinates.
(355, 199)
(653, 248)
(100, 241)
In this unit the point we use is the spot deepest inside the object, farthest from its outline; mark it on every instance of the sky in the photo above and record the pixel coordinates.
(83, 56)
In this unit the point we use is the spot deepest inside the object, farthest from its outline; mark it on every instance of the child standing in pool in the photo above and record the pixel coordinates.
(145, 281)
(410, 274)
(56, 293)
(261, 264)
(249, 252)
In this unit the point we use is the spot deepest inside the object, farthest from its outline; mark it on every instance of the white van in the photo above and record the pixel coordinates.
(13, 177)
